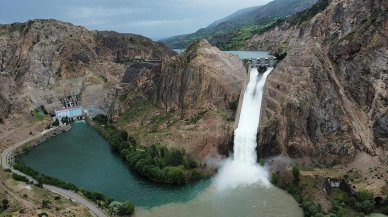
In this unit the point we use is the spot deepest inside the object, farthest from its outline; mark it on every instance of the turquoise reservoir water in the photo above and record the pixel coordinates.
(82, 157)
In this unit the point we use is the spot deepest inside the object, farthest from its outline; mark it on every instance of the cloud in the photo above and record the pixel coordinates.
(153, 23)
(152, 18)
(102, 12)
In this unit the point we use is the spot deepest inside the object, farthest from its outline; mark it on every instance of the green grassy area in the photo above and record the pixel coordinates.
(225, 39)
(138, 111)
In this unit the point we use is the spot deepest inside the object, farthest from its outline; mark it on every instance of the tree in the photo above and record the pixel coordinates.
(296, 174)
(56, 122)
(65, 120)
(5, 204)
(126, 208)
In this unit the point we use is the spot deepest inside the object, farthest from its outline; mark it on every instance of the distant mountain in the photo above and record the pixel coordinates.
(232, 31)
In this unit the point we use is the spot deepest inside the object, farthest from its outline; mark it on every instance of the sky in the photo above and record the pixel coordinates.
(153, 18)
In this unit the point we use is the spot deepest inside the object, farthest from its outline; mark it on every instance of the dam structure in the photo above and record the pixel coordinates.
(243, 169)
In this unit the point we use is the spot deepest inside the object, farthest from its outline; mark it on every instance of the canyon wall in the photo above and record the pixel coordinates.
(328, 99)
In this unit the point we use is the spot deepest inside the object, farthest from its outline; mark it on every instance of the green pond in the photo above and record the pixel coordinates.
(82, 157)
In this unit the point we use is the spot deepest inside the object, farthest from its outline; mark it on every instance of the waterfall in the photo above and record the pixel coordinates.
(242, 168)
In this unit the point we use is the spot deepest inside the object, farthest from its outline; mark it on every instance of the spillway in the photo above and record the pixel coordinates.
(242, 168)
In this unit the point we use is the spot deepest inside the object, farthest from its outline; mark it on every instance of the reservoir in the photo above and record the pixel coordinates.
(82, 157)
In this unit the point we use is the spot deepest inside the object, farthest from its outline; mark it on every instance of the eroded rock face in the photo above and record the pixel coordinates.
(200, 79)
(43, 60)
(327, 99)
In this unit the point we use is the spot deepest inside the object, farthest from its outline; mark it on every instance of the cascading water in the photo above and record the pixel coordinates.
(243, 169)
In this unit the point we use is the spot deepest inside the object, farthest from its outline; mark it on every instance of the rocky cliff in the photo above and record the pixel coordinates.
(327, 100)
(44, 60)
(186, 104)
(181, 101)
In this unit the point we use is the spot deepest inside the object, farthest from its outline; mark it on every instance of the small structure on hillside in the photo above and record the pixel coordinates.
(262, 64)
(73, 113)
(331, 183)
(72, 108)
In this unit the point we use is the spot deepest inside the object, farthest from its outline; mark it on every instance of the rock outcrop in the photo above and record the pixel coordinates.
(200, 79)
(184, 104)
(44, 60)
(159, 97)
(327, 100)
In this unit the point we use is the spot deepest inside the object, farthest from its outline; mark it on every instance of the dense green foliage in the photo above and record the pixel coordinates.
(101, 119)
(65, 120)
(20, 178)
(4, 204)
(155, 162)
(56, 123)
(43, 179)
(122, 208)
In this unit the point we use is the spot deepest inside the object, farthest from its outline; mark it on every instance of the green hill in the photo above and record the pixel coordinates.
(232, 31)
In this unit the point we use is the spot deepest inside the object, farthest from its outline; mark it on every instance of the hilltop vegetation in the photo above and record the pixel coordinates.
(231, 32)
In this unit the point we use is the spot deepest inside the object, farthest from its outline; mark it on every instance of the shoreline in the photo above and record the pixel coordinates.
(9, 155)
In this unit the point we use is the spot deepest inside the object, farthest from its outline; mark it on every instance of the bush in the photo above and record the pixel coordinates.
(101, 119)
(122, 208)
(126, 208)
(45, 204)
(296, 174)
(56, 123)
(362, 202)
(4, 204)
(275, 178)
(19, 178)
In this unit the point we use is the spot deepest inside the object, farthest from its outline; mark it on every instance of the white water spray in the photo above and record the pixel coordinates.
(243, 169)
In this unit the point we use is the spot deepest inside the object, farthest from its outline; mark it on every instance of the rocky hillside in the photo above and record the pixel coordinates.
(44, 60)
(327, 101)
(183, 101)
(188, 104)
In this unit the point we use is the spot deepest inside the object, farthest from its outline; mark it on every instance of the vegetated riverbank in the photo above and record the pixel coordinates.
(306, 188)
(108, 204)
(157, 163)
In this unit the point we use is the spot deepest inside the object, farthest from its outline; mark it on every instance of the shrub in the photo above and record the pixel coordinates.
(275, 178)
(56, 123)
(4, 204)
(101, 119)
(296, 174)
(122, 208)
(21, 178)
(45, 204)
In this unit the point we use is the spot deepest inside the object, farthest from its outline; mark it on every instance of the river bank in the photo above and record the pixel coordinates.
(9, 155)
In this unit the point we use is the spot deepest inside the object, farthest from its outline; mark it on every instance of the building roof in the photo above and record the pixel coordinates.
(70, 108)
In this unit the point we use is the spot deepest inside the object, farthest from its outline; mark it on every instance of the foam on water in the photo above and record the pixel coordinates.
(242, 168)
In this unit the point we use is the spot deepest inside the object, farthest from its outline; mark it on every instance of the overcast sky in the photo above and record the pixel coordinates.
(152, 18)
